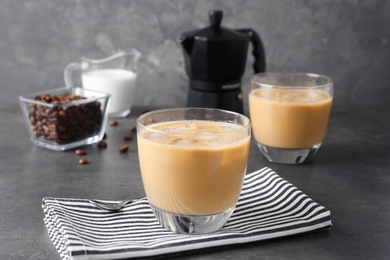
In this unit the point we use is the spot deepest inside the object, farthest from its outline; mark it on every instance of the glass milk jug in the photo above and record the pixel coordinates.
(116, 75)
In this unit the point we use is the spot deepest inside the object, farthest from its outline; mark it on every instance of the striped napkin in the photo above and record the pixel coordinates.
(269, 207)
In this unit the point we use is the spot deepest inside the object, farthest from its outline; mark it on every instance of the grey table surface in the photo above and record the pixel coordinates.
(350, 176)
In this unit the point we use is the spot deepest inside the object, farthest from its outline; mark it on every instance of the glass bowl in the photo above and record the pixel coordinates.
(63, 118)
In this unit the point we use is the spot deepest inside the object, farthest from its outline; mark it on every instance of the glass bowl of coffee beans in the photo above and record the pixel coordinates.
(63, 118)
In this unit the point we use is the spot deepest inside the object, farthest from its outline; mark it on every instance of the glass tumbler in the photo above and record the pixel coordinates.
(193, 162)
(289, 114)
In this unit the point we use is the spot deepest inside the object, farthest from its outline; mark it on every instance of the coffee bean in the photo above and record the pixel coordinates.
(113, 123)
(51, 127)
(47, 98)
(64, 122)
(80, 152)
(124, 148)
(102, 144)
(133, 128)
(47, 111)
(83, 161)
(127, 137)
(62, 113)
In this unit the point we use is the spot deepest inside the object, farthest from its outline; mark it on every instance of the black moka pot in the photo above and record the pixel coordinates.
(215, 59)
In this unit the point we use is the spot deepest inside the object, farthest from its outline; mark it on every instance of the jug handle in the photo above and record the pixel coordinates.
(69, 69)
(258, 50)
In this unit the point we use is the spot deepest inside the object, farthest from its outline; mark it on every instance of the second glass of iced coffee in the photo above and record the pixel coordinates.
(289, 114)
(193, 162)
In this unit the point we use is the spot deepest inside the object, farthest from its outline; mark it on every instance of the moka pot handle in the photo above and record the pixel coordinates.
(258, 51)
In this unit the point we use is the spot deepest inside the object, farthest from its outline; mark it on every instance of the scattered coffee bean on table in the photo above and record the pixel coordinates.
(80, 152)
(133, 129)
(61, 122)
(124, 148)
(102, 144)
(83, 161)
(113, 123)
(128, 137)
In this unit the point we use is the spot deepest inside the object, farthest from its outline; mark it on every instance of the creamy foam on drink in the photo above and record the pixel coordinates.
(197, 167)
(285, 118)
(117, 82)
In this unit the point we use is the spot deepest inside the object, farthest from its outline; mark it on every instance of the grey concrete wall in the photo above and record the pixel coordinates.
(348, 40)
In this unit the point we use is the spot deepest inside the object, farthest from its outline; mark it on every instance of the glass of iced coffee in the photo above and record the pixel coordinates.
(289, 114)
(193, 162)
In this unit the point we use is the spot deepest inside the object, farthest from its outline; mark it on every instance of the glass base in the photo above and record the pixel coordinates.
(67, 146)
(288, 156)
(121, 114)
(195, 225)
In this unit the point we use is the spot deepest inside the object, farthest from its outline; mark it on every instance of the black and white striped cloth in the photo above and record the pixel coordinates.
(268, 207)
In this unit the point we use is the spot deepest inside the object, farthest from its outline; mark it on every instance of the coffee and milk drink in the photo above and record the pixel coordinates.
(291, 119)
(198, 166)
